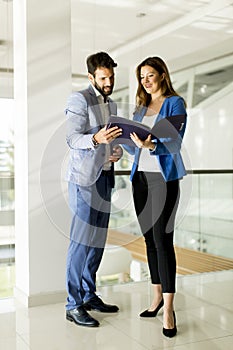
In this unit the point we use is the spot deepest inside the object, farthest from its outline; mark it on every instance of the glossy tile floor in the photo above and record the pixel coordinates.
(204, 311)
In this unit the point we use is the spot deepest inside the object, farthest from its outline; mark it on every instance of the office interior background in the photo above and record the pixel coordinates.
(42, 59)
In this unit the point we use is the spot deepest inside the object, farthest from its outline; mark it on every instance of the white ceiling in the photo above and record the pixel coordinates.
(183, 32)
(131, 30)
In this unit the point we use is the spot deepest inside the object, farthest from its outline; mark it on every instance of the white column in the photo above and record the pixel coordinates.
(132, 85)
(42, 83)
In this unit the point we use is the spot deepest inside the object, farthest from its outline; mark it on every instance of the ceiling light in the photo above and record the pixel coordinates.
(140, 14)
(203, 89)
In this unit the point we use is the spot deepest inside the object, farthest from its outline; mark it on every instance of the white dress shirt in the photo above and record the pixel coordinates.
(148, 162)
(105, 112)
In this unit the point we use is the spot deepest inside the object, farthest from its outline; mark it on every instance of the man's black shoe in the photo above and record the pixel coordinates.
(98, 305)
(81, 317)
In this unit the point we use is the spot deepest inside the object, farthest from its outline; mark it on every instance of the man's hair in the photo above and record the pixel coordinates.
(99, 59)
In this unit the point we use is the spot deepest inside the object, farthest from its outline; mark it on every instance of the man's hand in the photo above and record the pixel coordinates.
(117, 154)
(107, 135)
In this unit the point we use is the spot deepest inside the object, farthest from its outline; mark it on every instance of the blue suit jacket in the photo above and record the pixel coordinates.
(83, 120)
(167, 150)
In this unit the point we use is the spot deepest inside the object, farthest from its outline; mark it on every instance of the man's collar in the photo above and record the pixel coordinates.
(98, 94)
(96, 91)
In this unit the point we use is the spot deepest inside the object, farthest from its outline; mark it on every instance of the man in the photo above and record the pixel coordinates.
(91, 179)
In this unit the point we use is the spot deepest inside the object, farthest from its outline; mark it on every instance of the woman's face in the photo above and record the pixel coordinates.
(151, 80)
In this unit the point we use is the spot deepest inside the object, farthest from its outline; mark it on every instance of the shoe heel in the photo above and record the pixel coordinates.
(170, 333)
(87, 307)
(69, 318)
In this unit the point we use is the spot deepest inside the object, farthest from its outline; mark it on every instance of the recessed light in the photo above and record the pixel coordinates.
(140, 14)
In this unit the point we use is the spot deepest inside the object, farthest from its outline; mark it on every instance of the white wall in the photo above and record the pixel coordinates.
(208, 139)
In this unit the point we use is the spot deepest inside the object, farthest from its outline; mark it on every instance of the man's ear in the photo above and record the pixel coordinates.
(91, 77)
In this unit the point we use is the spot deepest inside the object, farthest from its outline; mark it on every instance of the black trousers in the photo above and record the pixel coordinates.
(156, 203)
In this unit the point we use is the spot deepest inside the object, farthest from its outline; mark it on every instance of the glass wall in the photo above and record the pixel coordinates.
(6, 49)
(208, 223)
(203, 229)
(198, 83)
(204, 219)
(7, 237)
(7, 240)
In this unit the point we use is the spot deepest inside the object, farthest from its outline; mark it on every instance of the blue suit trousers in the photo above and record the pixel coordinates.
(90, 207)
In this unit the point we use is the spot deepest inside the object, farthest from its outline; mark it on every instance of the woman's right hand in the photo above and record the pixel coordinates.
(142, 144)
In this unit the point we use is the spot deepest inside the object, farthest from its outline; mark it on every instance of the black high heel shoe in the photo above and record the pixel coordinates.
(170, 333)
(153, 313)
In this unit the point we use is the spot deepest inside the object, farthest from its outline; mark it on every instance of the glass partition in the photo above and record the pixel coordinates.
(7, 253)
(7, 210)
(208, 223)
(203, 230)
(6, 49)
(205, 83)
(199, 83)
(205, 224)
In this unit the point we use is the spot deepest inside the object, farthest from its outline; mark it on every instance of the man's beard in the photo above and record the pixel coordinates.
(101, 90)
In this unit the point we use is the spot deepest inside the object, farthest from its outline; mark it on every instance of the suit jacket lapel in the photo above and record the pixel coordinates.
(112, 107)
(95, 105)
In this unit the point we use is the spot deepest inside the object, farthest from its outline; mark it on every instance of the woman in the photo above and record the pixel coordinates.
(155, 176)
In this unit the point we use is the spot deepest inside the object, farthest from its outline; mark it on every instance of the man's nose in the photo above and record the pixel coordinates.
(108, 81)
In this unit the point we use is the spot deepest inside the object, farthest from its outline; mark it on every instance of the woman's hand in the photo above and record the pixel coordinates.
(142, 144)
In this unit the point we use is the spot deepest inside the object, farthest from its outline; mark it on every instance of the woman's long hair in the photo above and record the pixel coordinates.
(142, 97)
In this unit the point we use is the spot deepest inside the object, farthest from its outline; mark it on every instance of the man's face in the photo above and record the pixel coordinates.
(103, 80)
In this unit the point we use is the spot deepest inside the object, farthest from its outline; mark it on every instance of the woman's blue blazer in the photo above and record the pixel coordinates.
(167, 150)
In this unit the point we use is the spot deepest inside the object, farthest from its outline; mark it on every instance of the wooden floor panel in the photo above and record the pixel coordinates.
(188, 261)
